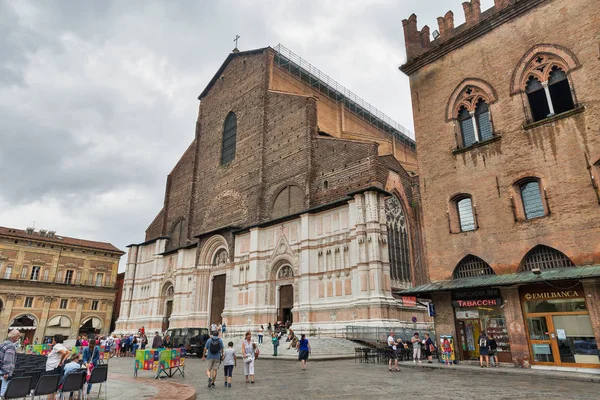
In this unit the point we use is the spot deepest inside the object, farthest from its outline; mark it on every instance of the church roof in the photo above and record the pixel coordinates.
(230, 57)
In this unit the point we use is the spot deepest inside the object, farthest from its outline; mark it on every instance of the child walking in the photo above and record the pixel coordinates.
(229, 361)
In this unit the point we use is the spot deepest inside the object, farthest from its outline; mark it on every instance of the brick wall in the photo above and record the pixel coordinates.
(555, 152)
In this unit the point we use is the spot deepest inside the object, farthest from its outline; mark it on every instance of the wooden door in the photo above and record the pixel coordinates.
(286, 303)
(218, 299)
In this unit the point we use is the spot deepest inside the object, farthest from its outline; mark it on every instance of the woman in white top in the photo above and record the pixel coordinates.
(248, 357)
(56, 358)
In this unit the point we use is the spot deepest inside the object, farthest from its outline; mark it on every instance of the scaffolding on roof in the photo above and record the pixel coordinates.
(296, 66)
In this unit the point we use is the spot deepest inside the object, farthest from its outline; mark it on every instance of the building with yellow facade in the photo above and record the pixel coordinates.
(51, 284)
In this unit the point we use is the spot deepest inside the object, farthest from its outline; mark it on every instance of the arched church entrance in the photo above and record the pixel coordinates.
(217, 303)
(285, 304)
(167, 300)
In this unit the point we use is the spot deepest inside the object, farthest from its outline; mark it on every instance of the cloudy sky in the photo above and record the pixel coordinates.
(98, 99)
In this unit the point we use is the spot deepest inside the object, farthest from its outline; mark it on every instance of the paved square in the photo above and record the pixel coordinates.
(344, 379)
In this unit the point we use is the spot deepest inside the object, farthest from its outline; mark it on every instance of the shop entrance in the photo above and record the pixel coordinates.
(469, 330)
(559, 329)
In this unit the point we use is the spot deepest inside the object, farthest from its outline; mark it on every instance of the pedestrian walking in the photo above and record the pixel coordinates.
(484, 350)
(303, 348)
(223, 329)
(8, 358)
(229, 362)
(261, 331)
(270, 329)
(248, 356)
(416, 347)
(393, 352)
(493, 346)
(275, 341)
(157, 341)
(213, 352)
(429, 348)
(446, 351)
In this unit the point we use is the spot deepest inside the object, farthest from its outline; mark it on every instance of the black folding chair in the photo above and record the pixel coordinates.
(47, 384)
(18, 387)
(18, 372)
(73, 383)
(99, 375)
(35, 377)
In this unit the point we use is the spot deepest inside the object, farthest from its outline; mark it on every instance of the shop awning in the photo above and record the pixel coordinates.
(557, 274)
(60, 321)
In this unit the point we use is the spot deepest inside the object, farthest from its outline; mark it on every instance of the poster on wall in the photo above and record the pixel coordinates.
(561, 334)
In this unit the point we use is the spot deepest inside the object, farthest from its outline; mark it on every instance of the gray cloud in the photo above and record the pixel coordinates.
(98, 99)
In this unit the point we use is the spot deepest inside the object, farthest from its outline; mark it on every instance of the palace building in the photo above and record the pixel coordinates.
(507, 117)
(296, 200)
(52, 284)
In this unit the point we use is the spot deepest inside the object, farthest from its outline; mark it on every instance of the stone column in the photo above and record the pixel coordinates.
(44, 319)
(444, 316)
(108, 318)
(592, 300)
(6, 313)
(517, 334)
(77, 321)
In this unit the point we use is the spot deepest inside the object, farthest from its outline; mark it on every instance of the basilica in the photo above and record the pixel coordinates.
(295, 201)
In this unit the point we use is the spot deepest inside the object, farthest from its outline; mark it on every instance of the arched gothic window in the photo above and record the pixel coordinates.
(544, 257)
(229, 139)
(547, 86)
(398, 243)
(471, 266)
(473, 116)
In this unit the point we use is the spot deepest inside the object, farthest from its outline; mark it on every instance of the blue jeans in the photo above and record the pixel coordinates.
(4, 385)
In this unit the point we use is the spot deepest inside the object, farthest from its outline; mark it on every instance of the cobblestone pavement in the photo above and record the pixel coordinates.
(344, 379)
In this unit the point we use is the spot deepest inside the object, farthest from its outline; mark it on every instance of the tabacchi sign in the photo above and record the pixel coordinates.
(477, 302)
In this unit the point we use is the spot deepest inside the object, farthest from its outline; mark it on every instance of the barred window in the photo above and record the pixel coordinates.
(229, 139)
(398, 243)
(531, 196)
(471, 266)
(544, 257)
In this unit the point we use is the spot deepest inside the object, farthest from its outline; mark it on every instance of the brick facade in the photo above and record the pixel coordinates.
(298, 152)
(490, 54)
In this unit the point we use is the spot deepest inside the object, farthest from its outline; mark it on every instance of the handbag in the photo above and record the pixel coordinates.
(256, 353)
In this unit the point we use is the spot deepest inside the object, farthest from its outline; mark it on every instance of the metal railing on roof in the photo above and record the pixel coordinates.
(296, 66)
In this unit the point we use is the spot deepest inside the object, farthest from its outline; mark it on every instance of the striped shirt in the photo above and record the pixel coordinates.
(8, 353)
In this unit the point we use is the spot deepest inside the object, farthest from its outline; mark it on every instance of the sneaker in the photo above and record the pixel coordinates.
(213, 385)
(419, 361)
(414, 360)
(229, 385)
(225, 384)
(209, 382)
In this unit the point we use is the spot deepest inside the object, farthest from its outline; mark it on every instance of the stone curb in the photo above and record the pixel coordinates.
(507, 371)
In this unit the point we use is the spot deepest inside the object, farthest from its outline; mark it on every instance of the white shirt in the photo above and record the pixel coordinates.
(392, 342)
(54, 357)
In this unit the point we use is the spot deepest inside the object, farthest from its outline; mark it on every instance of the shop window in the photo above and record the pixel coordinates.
(229, 139)
(35, 273)
(398, 241)
(28, 302)
(471, 266)
(544, 257)
(64, 303)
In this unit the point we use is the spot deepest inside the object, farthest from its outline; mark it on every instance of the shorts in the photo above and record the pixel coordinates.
(427, 352)
(393, 353)
(228, 369)
(213, 363)
(447, 354)
(484, 351)
(303, 355)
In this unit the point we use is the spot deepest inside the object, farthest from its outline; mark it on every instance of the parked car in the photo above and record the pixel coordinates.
(191, 339)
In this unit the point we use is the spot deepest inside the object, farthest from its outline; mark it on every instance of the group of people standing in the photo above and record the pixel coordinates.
(216, 353)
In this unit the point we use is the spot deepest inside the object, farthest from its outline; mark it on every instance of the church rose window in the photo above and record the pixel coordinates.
(398, 244)
(229, 139)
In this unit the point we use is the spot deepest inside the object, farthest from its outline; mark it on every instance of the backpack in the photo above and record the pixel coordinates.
(214, 347)
(483, 342)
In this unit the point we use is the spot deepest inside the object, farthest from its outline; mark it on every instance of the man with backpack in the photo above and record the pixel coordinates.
(213, 352)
